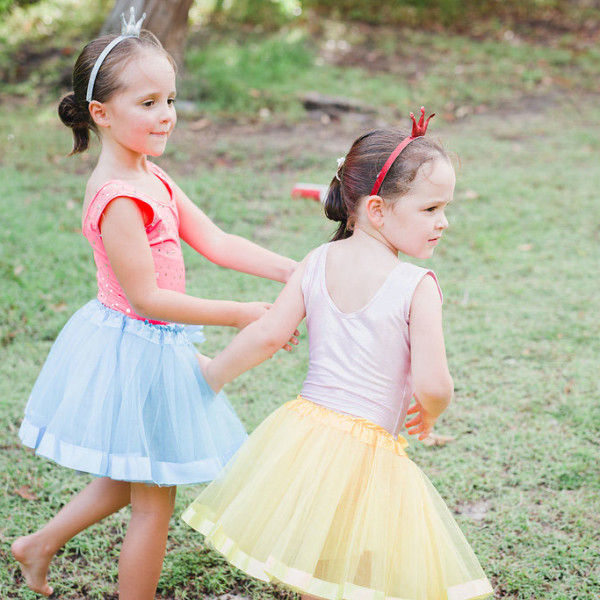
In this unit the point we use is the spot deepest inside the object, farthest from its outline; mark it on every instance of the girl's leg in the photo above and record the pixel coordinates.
(100, 498)
(144, 546)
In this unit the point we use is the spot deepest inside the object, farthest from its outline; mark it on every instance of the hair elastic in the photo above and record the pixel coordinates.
(340, 163)
(418, 130)
(129, 29)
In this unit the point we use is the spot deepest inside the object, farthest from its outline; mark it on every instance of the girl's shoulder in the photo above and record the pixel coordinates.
(415, 278)
(101, 190)
(160, 173)
(311, 266)
(314, 257)
(101, 184)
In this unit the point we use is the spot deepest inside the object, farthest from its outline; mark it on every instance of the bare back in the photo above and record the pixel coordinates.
(356, 269)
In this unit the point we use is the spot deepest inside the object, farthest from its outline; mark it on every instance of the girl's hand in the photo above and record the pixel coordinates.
(251, 311)
(293, 341)
(205, 362)
(422, 424)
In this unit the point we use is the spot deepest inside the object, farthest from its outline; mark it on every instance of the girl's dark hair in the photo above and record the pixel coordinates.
(362, 164)
(73, 108)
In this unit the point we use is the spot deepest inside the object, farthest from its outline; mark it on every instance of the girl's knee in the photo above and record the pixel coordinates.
(152, 501)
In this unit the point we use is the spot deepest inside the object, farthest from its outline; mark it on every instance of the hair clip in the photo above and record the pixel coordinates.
(419, 129)
(129, 29)
(340, 163)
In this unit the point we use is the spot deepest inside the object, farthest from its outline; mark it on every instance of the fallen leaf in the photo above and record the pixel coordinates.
(25, 492)
(18, 270)
(435, 439)
(475, 510)
(525, 247)
(60, 307)
(465, 299)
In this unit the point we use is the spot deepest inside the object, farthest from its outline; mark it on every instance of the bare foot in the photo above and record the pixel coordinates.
(34, 563)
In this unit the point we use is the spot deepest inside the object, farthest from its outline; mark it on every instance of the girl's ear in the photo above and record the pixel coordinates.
(375, 209)
(99, 114)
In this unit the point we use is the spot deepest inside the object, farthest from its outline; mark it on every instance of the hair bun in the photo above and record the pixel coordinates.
(71, 112)
(73, 115)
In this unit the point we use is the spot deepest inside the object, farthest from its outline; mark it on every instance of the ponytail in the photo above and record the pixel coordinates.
(336, 210)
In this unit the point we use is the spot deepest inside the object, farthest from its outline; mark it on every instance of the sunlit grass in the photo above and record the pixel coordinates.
(387, 69)
(517, 269)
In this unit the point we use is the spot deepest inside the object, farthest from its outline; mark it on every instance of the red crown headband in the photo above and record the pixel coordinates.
(418, 130)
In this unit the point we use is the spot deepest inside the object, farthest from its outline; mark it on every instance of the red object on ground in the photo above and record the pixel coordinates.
(314, 191)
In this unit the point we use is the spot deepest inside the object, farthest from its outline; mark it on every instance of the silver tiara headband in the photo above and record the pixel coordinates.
(129, 29)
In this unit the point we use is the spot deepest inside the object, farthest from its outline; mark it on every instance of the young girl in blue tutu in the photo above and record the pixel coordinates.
(121, 394)
(323, 496)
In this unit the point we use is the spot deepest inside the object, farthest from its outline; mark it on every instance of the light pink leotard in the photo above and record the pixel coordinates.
(359, 362)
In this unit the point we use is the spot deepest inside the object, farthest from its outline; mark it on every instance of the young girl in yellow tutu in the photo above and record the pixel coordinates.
(322, 497)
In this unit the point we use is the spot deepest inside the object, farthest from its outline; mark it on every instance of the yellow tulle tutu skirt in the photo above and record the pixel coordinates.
(330, 505)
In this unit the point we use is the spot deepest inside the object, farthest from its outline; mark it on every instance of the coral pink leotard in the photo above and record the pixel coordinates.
(162, 233)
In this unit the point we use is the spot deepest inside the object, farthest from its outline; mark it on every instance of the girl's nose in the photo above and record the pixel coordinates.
(443, 222)
(168, 113)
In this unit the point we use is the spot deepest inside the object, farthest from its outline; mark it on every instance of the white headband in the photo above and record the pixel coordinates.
(128, 30)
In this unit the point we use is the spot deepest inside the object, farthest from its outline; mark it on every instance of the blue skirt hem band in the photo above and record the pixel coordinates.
(138, 469)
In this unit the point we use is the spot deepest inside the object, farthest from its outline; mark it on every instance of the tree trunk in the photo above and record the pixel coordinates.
(168, 21)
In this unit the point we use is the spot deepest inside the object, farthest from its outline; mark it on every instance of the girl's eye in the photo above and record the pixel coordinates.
(171, 100)
(431, 209)
(148, 103)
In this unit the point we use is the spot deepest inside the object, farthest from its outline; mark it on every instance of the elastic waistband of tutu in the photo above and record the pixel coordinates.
(177, 333)
(359, 427)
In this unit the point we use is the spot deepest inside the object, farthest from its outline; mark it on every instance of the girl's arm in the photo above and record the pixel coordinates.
(126, 244)
(225, 249)
(261, 339)
(433, 385)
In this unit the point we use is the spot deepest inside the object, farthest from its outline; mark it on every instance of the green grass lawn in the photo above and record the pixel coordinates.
(518, 269)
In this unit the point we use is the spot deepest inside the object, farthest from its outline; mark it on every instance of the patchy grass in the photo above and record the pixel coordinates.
(516, 267)
(520, 318)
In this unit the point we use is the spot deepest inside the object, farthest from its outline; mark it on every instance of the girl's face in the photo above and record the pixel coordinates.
(414, 224)
(141, 116)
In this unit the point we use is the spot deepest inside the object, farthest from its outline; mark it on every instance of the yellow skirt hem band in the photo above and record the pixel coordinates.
(272, 570)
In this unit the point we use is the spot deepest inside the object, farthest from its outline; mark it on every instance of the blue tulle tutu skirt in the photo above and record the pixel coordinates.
(126, 399)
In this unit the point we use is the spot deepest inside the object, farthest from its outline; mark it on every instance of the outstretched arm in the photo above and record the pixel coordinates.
(126, 244)
(261, 339)
(225, 249)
